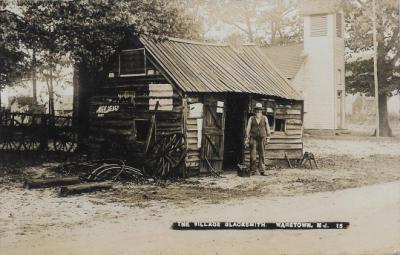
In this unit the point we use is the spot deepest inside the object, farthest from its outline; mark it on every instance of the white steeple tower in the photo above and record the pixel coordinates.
(324, 88)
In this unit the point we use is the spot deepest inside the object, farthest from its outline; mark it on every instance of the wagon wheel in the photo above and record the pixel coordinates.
(31, 142)
(65, 141)
(114, 172)
(165, 155)
(60, 122)
(10, 137)
(26, 120)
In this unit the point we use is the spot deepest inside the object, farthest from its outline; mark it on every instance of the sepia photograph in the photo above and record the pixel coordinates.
(199, 127)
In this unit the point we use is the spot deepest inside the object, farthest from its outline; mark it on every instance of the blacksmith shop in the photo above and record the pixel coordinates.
(182, 105)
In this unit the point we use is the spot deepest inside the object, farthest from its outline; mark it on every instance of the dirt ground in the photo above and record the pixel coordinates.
(344, 162)
(365, 125)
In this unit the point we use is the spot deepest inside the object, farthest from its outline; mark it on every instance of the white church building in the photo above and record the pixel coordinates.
(316, 67)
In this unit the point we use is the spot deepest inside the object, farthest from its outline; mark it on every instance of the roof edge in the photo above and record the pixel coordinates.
(179, 40)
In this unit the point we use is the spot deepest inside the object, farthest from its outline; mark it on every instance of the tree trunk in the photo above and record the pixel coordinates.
(84, 89)
(250, 34)
(273, 33)
(50, 90)
(384, 127)
(75, 103)
(34, 86)
(51, 93)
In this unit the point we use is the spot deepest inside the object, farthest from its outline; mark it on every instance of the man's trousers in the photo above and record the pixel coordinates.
(257, 147)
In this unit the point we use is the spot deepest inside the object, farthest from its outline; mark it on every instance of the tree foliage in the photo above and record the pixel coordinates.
(359, 46)
(87, 33)
(283, 24)
(265, 22)
(90, 31)
(239, 14)
(12, 57)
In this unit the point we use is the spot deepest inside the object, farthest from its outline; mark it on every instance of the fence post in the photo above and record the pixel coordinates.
(44, 133)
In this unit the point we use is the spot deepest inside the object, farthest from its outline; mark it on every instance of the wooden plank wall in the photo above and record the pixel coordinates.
(193, 152)
(131, 99)
(291, 140)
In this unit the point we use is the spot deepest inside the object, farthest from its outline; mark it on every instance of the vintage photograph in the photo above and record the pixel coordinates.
(199, 127)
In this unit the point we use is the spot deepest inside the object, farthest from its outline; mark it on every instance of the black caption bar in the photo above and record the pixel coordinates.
(181, 225)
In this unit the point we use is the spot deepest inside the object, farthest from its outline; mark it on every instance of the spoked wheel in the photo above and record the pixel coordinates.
(65, 142)
(31, 142)
(25, 120)
(166, 155)
(10, 136)
(115, 172)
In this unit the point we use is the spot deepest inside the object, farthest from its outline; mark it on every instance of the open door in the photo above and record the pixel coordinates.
(235, 120)
(212, 153)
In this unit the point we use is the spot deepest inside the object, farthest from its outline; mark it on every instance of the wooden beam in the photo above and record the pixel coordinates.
(84, 188)
(50, 182)
(152, 127)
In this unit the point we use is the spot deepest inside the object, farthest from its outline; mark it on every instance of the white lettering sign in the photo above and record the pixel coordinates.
(103, 109)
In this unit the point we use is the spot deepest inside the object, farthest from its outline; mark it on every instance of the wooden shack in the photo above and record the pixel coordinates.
(204, 92)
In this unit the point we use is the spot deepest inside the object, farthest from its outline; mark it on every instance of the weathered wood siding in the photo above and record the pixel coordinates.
(289, 141)
(124, 101)
(119, 102)
(193, 151)
(213, 133)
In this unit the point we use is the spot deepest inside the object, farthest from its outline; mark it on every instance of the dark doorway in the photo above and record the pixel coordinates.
(236, 106)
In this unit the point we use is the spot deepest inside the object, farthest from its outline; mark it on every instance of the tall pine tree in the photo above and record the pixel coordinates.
(359, 45)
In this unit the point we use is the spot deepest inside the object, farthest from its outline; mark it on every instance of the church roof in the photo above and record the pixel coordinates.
(287, 58)
(313, 7)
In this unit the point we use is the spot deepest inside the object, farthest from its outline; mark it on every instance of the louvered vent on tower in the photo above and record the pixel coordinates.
(319, 25)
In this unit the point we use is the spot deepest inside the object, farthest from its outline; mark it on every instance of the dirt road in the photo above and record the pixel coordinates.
(358, 181)
(373, 212)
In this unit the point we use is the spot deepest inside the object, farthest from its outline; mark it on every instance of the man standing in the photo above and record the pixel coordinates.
(257, 132)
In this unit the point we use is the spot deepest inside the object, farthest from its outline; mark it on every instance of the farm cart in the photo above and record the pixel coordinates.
(31, 132)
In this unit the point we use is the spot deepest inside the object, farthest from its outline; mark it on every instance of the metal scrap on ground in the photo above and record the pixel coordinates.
(103, 170)
(88, 176)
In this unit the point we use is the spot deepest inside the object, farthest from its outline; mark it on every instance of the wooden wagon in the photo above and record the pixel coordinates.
(32, 132)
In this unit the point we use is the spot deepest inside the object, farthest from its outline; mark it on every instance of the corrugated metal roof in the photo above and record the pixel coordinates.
(206, 67)
(287, 58)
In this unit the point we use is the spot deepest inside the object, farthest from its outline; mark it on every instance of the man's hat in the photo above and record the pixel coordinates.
(258, 106)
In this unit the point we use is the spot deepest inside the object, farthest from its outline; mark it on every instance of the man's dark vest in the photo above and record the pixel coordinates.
(258, 129)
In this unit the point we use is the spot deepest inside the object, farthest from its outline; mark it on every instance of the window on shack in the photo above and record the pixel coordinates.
(270, 116)
(270, 113)
(280, 125)
(132, 62)
(142, 127)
